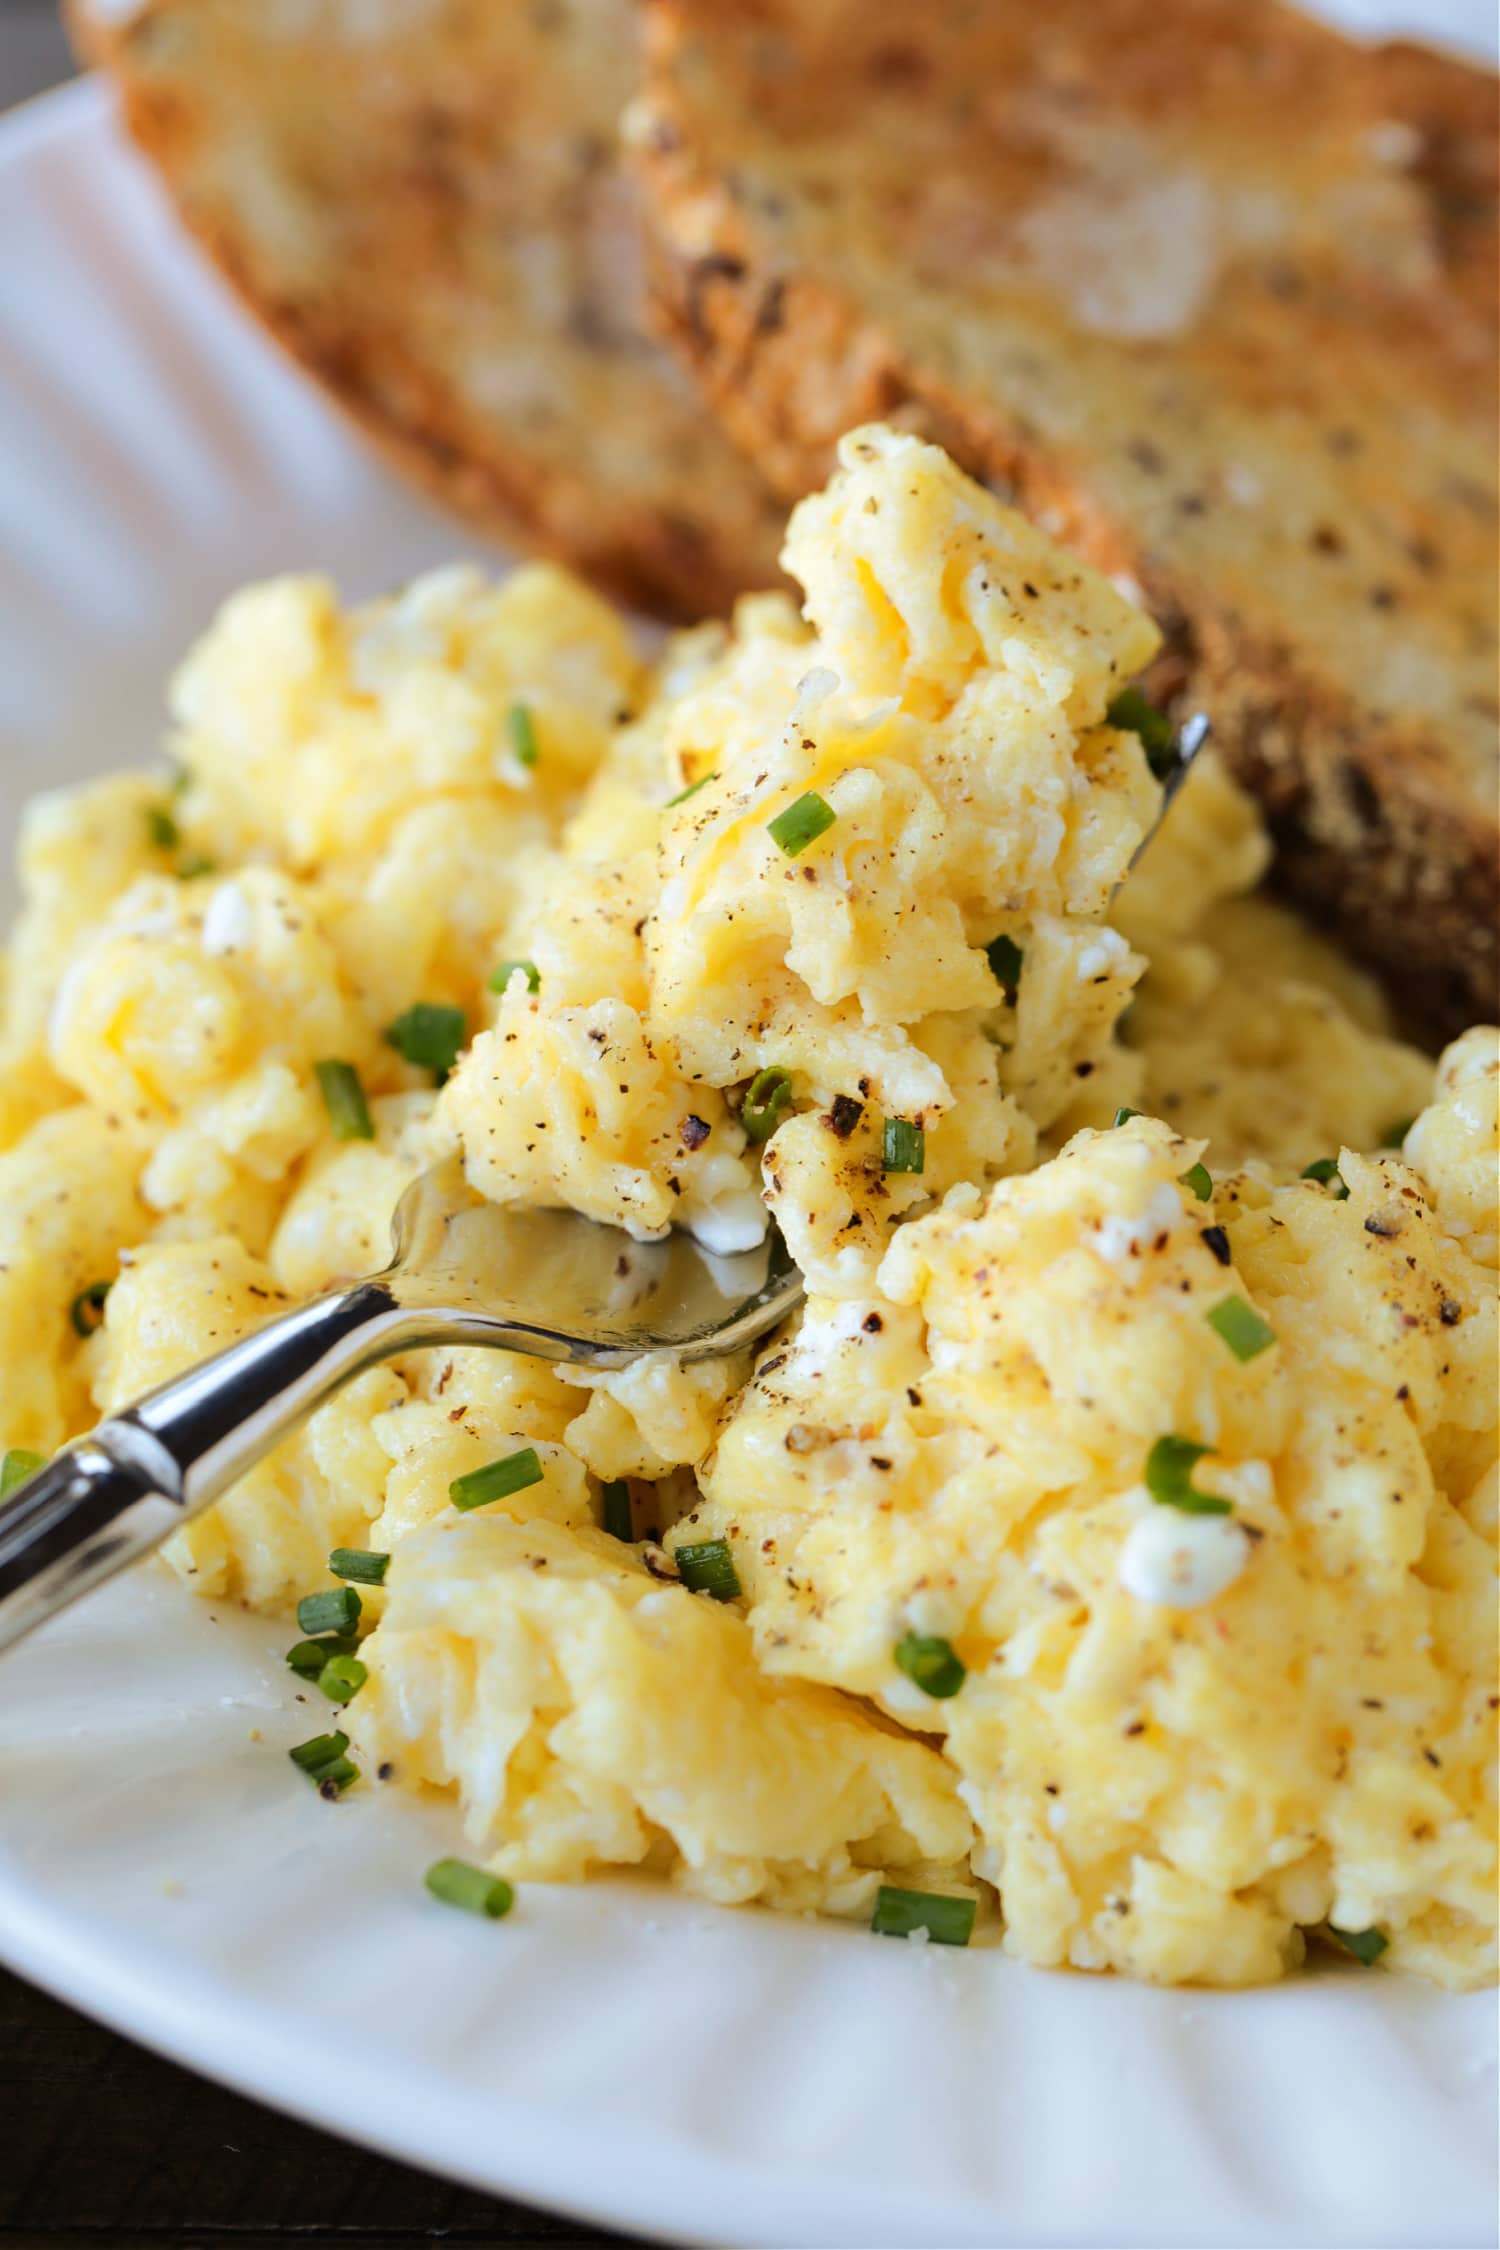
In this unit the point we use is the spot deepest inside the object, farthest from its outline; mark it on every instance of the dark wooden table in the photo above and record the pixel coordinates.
(103, 2144)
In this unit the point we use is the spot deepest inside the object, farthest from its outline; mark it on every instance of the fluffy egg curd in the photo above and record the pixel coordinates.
(1105, 1554)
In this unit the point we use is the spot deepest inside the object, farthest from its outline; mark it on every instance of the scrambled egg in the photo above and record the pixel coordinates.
(836, 916)
(1182, 1737)
(942, 710)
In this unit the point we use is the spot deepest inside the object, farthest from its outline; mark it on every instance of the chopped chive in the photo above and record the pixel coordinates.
(497, 1479)
(337, 1611)
(333, 1780)
(456, 1883)
(87, 1309)
(1366, 1945)
(1394, 1136)
(429, 1035)
(1200, 1180)
(618, 1519)
(1169, 1478)
(947, 1920)
(342, 1677)
(1326, 1172)
(691, 790)
(707, 1567)
(161, 829)
(307, 1658)
(1241, 1327)
(19, 1464)
(324, 1763)
(344, 1100)
(320, 1751)
(503, 971)
(1135, 714)
(181, 781)
(768, 1097)
(801, 823)
(931, 1663)
(1005, 959)
(903, 1146)
(195, 864)
(521, 728)
(362, 1564)
(1123, 1116)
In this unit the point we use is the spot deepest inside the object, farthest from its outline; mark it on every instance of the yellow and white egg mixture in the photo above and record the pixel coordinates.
(1114, 1530)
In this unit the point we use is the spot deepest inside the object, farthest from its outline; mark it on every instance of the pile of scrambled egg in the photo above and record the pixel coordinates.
(1114, 1530)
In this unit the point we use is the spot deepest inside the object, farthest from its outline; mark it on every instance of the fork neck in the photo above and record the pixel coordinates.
(192, 1437)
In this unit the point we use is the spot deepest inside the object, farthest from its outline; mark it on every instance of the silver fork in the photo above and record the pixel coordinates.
(462, 1272)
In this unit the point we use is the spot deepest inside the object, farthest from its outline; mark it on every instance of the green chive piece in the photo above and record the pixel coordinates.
(87, 1309)
(344, 1100)
(195, 864)
(1394, 1136)
(1123, 1116)
(618, 1520)
(802, 823)
(521, 728)
(342, 1677)
(323, 1761)
(691, 790)
(1325, 1170)
(1169, 1478)
(1241, 1327)
(320, 1751)
(307, 1658)
(181, 781)
(496, 1480)
(903, 1146)
(161, 829)
(361, 1564)
(503, 971)
(1133, 712)
(333, 1780)
(707, 1567)
(19, 1465)
(1006, 960)
(337, 1611)
(456, 1883)
(1365, 1945)
(947, 1920)
(768, 1097)
(1200, 1180)
(931, 1663)
(429, 1035)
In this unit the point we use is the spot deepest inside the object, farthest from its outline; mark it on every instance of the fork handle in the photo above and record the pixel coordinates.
(114, 1495)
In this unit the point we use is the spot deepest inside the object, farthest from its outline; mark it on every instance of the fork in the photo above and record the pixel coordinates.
(462, 1272)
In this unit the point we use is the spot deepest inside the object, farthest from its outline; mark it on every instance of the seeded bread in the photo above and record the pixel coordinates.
(1212, 292)
(425, 205)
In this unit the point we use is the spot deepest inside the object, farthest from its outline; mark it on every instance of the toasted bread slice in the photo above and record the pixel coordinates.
(1212, 292)
(424, 204)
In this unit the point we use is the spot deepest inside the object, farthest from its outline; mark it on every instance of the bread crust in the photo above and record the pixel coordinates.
(808, 298)
(476, 308)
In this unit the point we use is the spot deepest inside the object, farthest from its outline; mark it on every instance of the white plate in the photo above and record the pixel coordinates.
(616, 2050)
